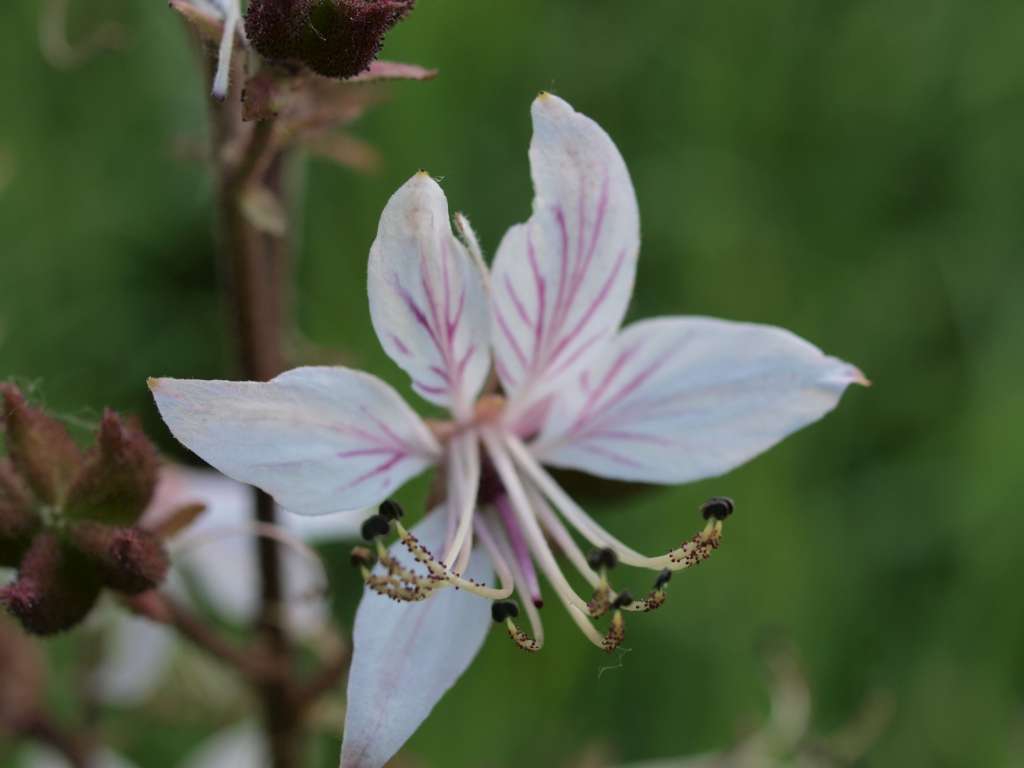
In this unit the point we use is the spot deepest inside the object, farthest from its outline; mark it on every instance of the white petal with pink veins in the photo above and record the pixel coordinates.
(317, 439)
(428, 297)
(682, 398)
(407, 655)
(562, 281)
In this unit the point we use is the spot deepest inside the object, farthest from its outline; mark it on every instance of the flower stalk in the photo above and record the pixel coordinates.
(256, 266)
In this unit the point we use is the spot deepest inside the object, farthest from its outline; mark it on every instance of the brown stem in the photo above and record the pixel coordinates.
(255, 667)
(255, 277)
(321, 682)
(72, 746)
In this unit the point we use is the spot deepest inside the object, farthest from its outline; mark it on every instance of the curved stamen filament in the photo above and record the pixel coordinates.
(560, 534)
(506, 576)
(576, 606)
(692, 552)
(500, 542)
(439, 573)
(519, 548)
(463, 480)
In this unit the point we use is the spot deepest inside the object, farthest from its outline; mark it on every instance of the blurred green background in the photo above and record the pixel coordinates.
(849, 170)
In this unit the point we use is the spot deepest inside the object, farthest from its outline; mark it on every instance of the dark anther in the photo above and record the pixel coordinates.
(602, 558)
(375, 526)
(391, 510)
(361, 556)
(663, 578)
(504, 609)
(622, 600)
(718, 507)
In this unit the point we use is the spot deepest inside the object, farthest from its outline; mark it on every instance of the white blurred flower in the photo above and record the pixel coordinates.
(218, 554)
(666, 400)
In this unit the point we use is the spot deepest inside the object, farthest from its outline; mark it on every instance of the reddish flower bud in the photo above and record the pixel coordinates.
(18, 521)
(22, 670)
(117, 477)
(39, 446)
(335, 38)
(55, 588)
(129, 560)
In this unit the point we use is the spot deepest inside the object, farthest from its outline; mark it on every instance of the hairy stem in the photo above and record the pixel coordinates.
(256, 263)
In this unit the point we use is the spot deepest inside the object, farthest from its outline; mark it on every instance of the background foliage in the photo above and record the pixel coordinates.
(849, 170)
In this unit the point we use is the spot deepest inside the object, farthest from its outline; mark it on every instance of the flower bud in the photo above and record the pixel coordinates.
(130, 560)
(117, 477)
(335, 38)
(40, 448)
(55, 588)
(18, 521)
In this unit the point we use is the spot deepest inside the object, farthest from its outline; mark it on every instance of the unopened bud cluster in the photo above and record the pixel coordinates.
(69, 519)
(335, 38)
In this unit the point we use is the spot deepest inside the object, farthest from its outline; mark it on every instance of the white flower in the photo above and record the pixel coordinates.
(667, 400)
(239, 745)
(219, 553)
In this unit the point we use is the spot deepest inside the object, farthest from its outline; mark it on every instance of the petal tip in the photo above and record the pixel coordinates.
(153, 383)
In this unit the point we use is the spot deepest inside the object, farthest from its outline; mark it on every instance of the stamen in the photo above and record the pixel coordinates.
(505, 574)
(522, 552)
(717, 507)
(692, 552)
(439, 573)
(501, 541)
(391, 510)
(463, 481)
(374, 527)
(602, 559)
(503, 612)
(557, 531)
(520, 504)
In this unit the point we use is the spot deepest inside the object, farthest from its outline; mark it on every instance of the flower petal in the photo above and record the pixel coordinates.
(676, 399)
(562, 281)
(317, 439)
(407, 655)
(428, 297)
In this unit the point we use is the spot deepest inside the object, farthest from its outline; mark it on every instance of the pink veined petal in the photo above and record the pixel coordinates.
(317, 439)
(562, 281)
(428, 297)
(407, 655)
(676, 399)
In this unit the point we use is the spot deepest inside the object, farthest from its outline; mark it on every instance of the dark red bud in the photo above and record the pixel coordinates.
(18, 520)
(130, 560)
(40, 448)
(23, 675)
(118, 475)
(55, 588)
(335, 38)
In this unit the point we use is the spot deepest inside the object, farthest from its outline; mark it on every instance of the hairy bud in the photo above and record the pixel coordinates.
(40, 448)
(118, 475)
(130, 560)
(335, 38)
(18, 521)
(54, 590)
